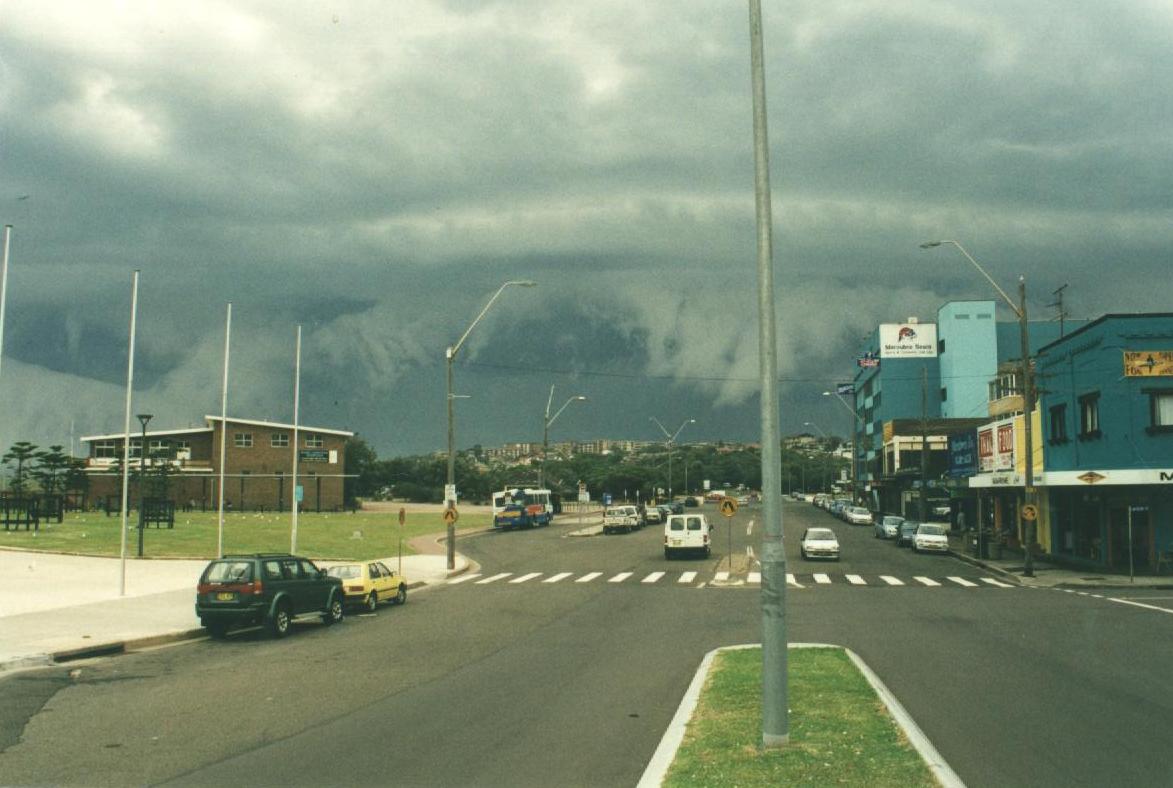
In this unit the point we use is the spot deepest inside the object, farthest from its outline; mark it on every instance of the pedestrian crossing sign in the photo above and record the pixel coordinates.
(728, 506)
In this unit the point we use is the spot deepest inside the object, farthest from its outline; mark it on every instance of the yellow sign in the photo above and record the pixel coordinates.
(1148, 363)
(728, 506)
(450, 515)
(1030, 512)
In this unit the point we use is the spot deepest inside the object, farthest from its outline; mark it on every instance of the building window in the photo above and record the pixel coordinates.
(136, 448)
(941, 344)
(183, 445)
(1089, 416)
(1058, 423)
(243, 440)
(313, 441)
(156, 446)
(279, 440)
(105, 450)
(1161, 411)
(944, 394)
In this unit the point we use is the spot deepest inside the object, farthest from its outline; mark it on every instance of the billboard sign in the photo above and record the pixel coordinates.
(996, 447)
(1148, 363)
(908, 340)
(963, 454)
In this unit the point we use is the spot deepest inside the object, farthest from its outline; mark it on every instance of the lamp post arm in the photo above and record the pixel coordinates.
(1009, 301)
(663, 429)
(559, 411)
(456, 348)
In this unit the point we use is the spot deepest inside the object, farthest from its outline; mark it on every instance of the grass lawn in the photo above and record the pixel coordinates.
(840, 731)
(342, 536)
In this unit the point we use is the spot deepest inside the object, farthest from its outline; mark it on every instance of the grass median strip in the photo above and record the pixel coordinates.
(840, 731)
(342, 536)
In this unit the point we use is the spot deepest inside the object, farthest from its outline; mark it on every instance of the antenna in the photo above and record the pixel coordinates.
(1058, 303)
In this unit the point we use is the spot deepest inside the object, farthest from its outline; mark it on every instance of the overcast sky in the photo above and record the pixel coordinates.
(374, 171)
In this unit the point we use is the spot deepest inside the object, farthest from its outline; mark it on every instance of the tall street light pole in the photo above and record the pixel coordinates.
(548, 420)
(143, 418)
(854, 443)
(449, 357)
(671, 440)
(1028, 396)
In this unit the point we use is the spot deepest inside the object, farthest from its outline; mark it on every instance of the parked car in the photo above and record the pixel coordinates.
(857, 515)
(653, 514)
(819, 543)
(906, 532)
(675, 507)
(687, 533)
(269, 589)
(887, 526)
(930, 537)
(620, 518)
(693, 501)
(941, 510)
(366, 584)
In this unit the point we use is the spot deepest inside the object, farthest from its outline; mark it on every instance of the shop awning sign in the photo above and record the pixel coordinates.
(1148, 363)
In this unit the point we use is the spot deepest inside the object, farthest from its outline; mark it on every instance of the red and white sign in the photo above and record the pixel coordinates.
(996, 447)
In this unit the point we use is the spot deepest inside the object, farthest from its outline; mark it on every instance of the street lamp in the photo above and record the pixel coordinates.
(671, 440)
(1028, 394)
(143, 418)
(855, 421)
(823, 462)
(546, 430)
(449, 357)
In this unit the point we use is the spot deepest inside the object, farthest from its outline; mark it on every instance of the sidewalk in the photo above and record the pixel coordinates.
(57, 607)
(1049, 575)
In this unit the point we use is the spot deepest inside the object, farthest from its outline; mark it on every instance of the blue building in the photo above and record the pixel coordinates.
(1106, 403)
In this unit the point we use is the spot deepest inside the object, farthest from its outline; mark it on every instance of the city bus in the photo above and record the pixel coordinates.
(522, 507)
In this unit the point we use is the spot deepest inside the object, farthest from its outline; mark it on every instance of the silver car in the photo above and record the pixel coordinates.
(887, 526)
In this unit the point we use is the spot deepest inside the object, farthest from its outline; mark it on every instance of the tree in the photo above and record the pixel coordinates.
(20, 453)
(50, 471)
(362, 462)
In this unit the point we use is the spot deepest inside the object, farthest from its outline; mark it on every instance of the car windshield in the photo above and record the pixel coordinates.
(892, 520)
(931, 530)
(820, 533)
(909, 525)
(229, 572)
(345, 572)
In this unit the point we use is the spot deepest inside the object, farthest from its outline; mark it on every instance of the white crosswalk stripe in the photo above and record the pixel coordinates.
(856, 580)
(525, 578)
(754, 577)
(721, 577)
(993, 582)
(822, 579)
(687, 577)
(790, 581)
(751, 578)
(464, 578)
(961, 581)
(653, 577)
(494, 578)
(588, 577)
(557, 577)
(892, 581)
(925, 581)
(619, 578)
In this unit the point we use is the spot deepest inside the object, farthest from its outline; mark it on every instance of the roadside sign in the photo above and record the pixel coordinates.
(1030, 512)
(299, 493)
(451, 515)
(402, 515)
(450, 492)
(728, 506)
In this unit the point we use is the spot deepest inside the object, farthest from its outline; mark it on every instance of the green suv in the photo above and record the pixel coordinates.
(269, 589)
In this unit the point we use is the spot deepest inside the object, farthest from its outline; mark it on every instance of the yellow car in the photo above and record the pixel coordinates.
(368, 583)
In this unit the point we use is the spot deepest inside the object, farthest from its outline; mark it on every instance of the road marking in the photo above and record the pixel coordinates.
(557, 577)
(524, 578)
(892, 581)
(926, 581)
(721, 577)
(961, 581)
(993, 582)
(749, 529)
(822, 579)
(619, 578)
(653, 577)
(464, 578)
(856, 580)
(494, 578)
(1139, 604)
(790, 581)
(754, 577)
(687, 577)
(588, 577)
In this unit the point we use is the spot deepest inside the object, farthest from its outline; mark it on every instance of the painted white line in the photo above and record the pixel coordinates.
(494, 578)
(790, 581)
(1139, 604)
(619, 578)
(655, 576)
(991, 581)
(856, 580)
(749, 528)
(754, 577)
(961, 581)
(524, 578)
(892, 581)
(822, 579)
(925, 581)
(464, 578)
(557, 577)
(720, 577)
(687, 577)
(589, 577)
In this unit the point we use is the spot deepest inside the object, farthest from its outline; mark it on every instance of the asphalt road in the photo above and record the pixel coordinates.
(507, 678)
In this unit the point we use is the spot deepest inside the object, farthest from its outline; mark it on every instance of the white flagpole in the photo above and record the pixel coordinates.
(223, 432)
(296, 404)
(126, 436)
(4, 285)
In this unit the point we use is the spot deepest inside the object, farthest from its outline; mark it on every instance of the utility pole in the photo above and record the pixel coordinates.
(1028, 406)
(1058, 303)
(924, 443)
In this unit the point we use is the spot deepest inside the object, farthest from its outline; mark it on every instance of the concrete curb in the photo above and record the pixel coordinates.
(1144, 582)
(665, 753)
(968, 559)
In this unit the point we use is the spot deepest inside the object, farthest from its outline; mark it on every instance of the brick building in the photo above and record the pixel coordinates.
(258, 465)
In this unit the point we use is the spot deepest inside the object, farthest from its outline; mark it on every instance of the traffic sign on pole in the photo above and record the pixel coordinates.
(451, 515)
(728, 506)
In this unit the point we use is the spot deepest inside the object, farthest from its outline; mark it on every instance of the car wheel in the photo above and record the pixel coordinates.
(372, 601)
(667, 554)
(401, 595)
(334, 612)
(708, 551)
(278, 623)
(217, 631)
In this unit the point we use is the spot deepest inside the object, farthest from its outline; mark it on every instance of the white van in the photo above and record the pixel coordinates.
(686, 533)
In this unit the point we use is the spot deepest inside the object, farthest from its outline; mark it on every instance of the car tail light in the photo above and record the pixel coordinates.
(204, 588)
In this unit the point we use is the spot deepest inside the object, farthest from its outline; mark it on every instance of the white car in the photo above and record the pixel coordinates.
(819, 543)
(857, 515)
(620, 518)
(930, 538)
(653, 515)
(685, 533)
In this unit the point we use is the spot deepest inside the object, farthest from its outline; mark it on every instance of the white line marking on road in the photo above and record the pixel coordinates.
(653, 577)
(961, 581)
(557, 577)
(749, 529)
(589, 577)
(524, 578)
(856, 580)
(464, 578)
(721, 576)
(1098, 596)
(892, 581)
(790, 581)
(993, 582)
(754, 577)
(687, 577)
(619, 578)
(926, 581)
(1139, 604)
(494, 578)
(822, 579)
